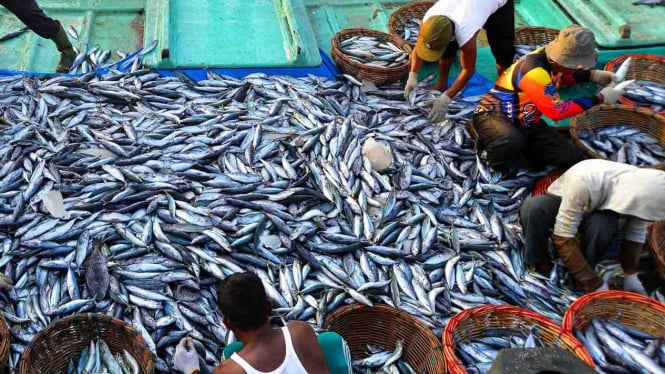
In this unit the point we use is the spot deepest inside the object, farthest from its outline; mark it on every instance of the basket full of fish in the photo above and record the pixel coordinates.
(622, 331)
(405, 22)
(473, 338)
(91, 342)
(382, 337)
(530, 38)
(621, 133)
(371, 55)
(648, 71)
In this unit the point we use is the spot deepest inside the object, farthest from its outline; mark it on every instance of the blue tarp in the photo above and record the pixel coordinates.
(478, 84)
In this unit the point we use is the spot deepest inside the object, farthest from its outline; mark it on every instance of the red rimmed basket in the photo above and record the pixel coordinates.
(51, 349)
(631, 309)
(471, 323)
(376, 74)
(404, 14)
(383, 325)
(643, 67)
(601, 116)
(656, 245)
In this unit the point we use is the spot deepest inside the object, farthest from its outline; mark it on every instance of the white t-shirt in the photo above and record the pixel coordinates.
(589, 185)
(469, 16)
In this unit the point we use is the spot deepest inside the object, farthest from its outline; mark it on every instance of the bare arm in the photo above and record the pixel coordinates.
(307, 348)
(416, 62)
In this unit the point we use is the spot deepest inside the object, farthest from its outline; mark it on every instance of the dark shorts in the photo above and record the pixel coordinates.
(500, 29)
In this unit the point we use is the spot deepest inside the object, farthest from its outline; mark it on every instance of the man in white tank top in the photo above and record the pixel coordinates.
(450, 25)
(292, 349)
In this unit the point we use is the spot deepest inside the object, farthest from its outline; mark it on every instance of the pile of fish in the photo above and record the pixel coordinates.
(132, 194)
(371, 51)
(478, 354)
(93, 58)
(381, 361)
(525, 49)
(98, 358)
(618, 348)
(409, 30)
(647, 94)
(625, 144)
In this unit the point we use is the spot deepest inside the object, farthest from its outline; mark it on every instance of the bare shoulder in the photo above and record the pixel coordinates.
(300, 326)
(228, 367)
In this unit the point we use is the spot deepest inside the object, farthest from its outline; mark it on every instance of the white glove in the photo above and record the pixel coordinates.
(631, 283)
(603, 77)
(610, 95)
(439, 108)
(411, 84)
(185, 358)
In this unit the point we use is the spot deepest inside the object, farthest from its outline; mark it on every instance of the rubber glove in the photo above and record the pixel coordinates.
(185, 358)
(570, 252)
(602, 77)
(411, 84)
(439, 108)
(610, 95)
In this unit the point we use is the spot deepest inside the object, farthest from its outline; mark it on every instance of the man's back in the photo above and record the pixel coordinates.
(268, 353)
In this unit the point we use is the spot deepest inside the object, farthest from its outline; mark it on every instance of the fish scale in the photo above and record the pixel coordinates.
(196, 197)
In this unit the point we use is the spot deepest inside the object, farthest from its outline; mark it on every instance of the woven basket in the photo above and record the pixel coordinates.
(631, 309)
(642, 67)
(377, 75)
(530, 35)
(404, 14)
(5, 338)
(383, 326)
(52, 348)
(656, 245)
(597, 117)
(471, 323)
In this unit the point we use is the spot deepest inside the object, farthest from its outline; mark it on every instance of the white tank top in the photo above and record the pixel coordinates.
(468, 16)
(290, 365)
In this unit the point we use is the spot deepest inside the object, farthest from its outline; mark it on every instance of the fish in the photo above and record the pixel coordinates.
(372, 51)
(623, 69)
(625, 144)
(649, 2)
(381, 359)
(409, 29)
(13, 34)
(615, 346)
(171, 185)
(647, 94)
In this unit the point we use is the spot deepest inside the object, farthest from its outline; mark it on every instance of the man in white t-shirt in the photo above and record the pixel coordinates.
(452, 25)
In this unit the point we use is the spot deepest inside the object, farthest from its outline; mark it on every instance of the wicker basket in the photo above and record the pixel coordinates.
(383, 326)
(377, 75)
(597, 117)
(5, 338)
(631, 309)
(642, 67)
(52, 348)
(656, 245)
(531, 35)
(404, 14)
(471, 323)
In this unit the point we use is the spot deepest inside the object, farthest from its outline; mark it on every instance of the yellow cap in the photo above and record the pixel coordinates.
(433, 38)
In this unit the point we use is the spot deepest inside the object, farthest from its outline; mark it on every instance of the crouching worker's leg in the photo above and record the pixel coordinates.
(502, 141)
(537, 216)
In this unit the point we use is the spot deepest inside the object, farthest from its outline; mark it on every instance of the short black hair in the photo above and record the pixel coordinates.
(242, 298)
